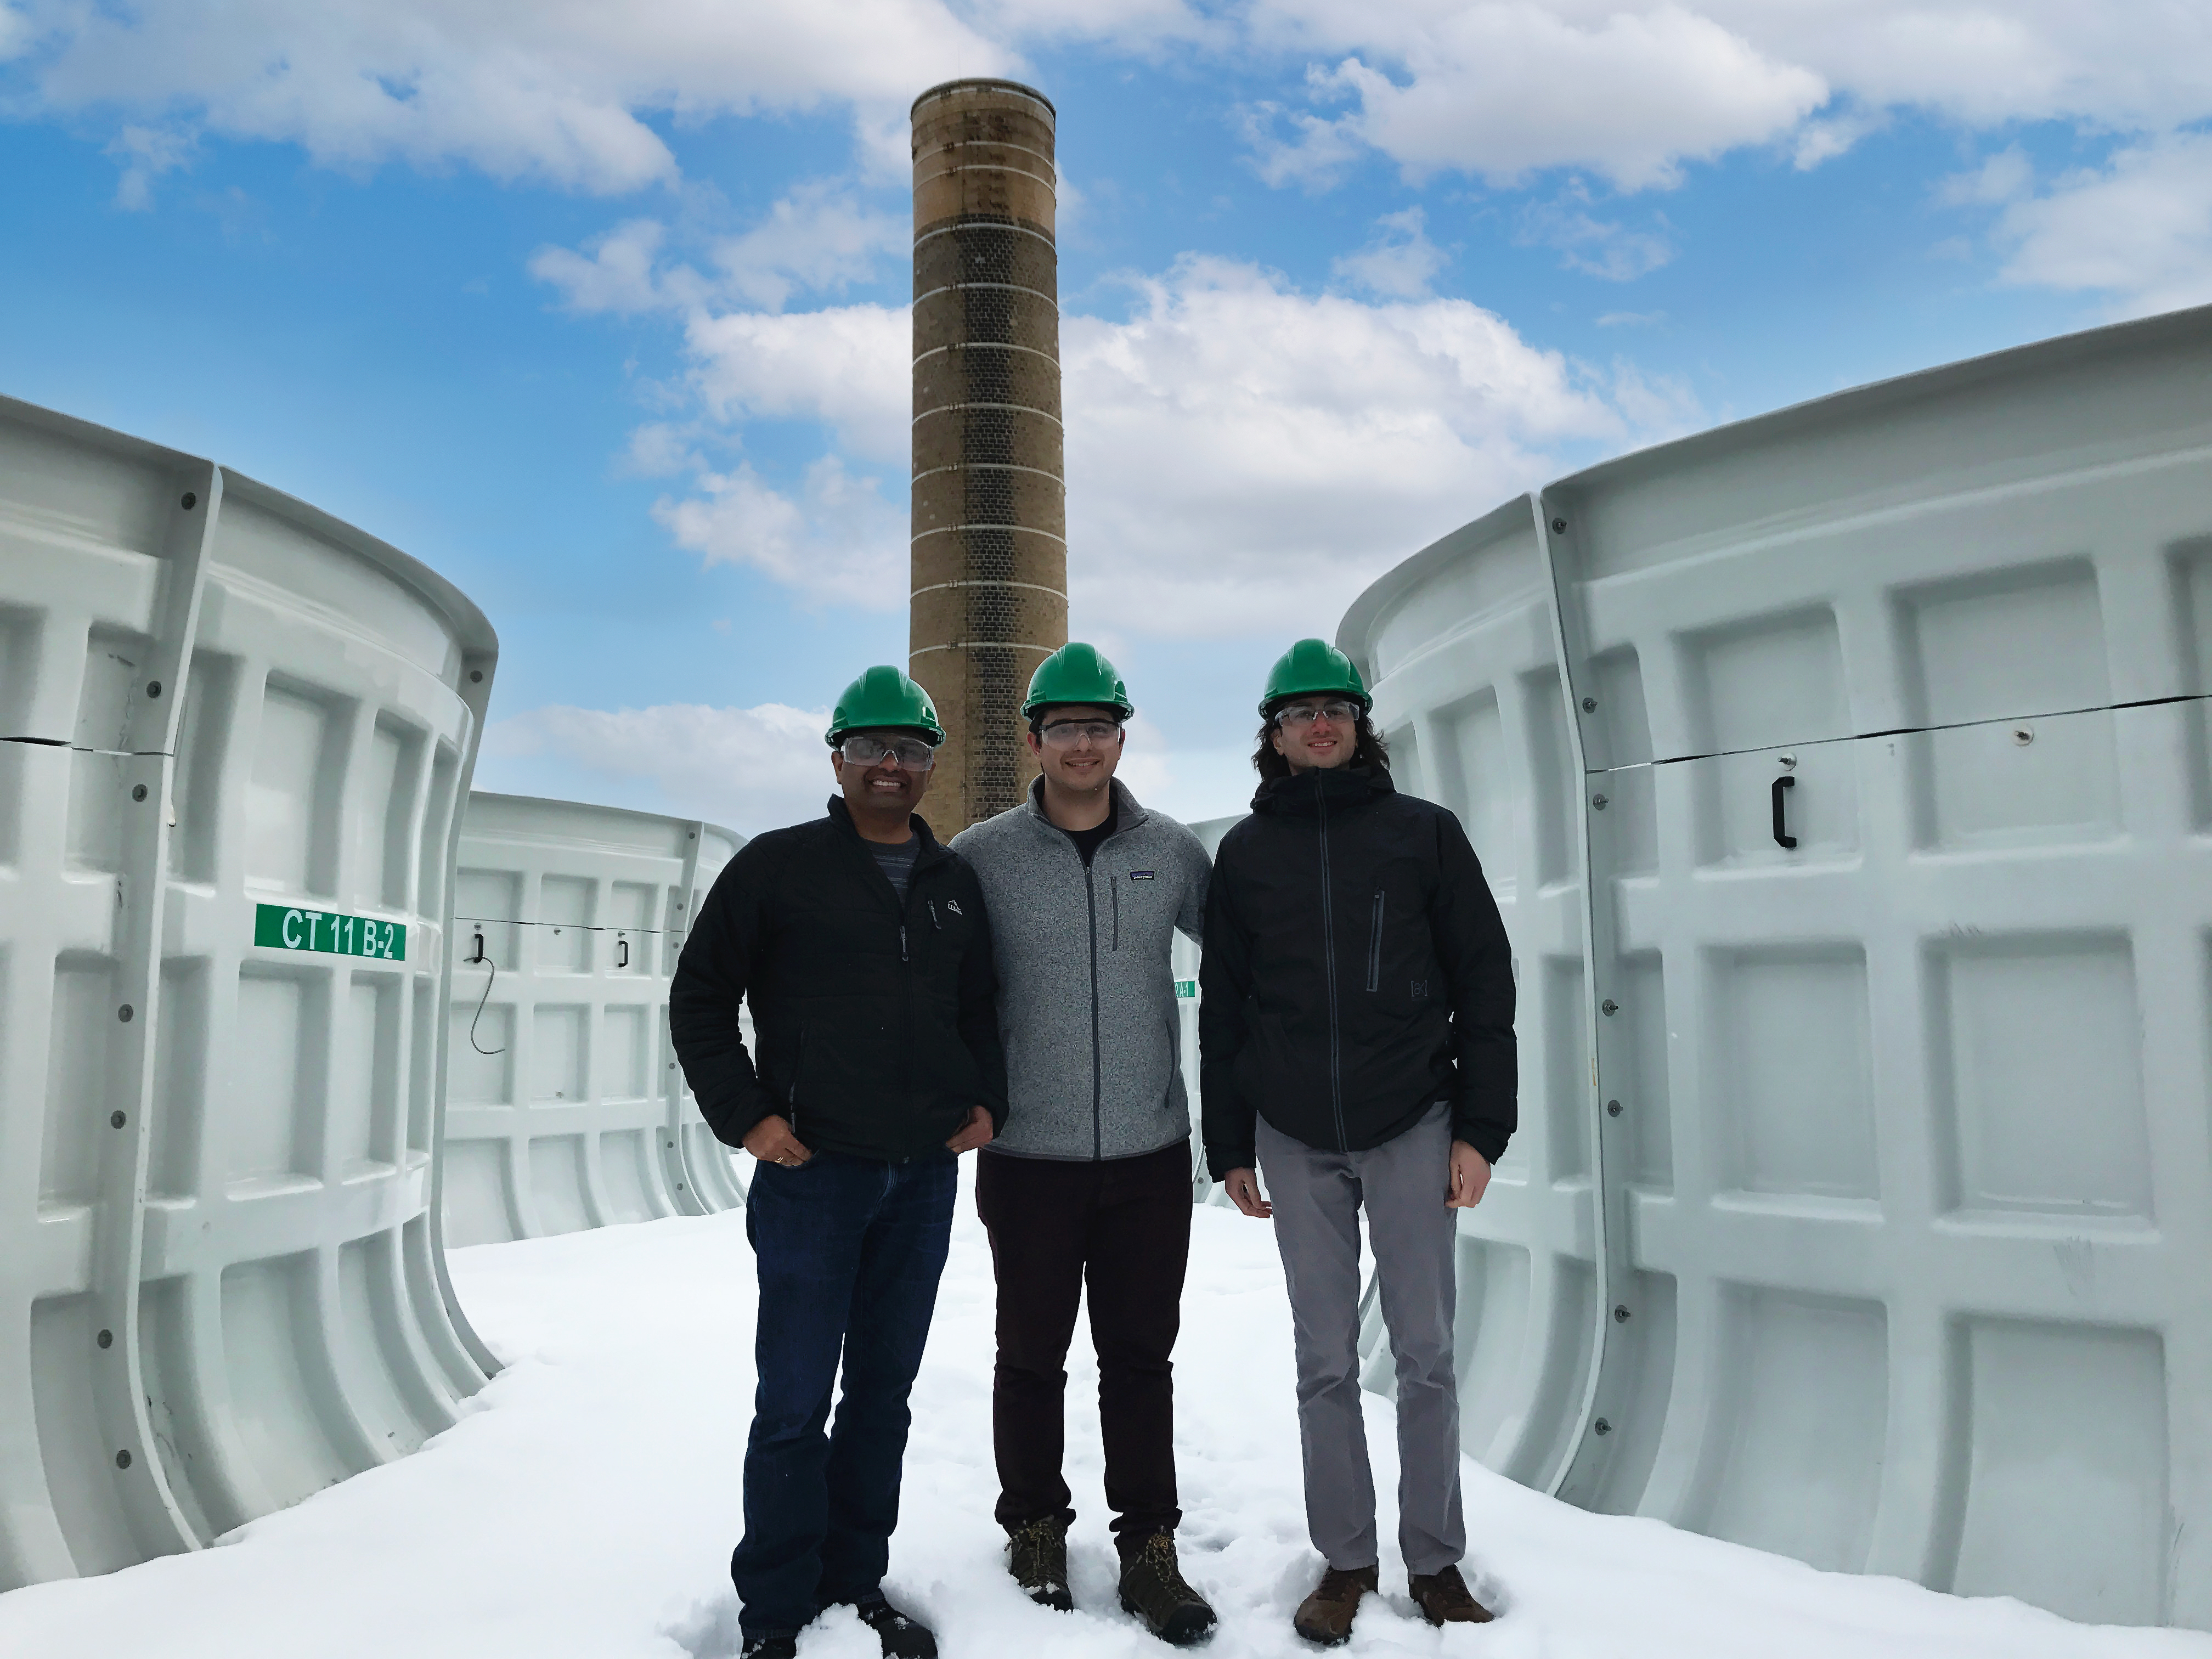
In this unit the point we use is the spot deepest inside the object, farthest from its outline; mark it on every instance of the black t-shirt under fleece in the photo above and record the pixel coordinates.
(1086, 841)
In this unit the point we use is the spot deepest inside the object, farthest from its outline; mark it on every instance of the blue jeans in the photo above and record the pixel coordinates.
(848, 1252)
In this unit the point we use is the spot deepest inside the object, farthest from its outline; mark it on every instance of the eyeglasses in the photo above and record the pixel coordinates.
(1065, 734)
(1299, 716)
(911, 753)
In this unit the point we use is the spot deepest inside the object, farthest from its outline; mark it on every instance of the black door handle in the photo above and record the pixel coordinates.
(1782, 836)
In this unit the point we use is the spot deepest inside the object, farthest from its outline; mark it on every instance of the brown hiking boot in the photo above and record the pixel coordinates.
(1444, 1599)
(1154, 1589)
(1036, 1554)
(1326, 1615)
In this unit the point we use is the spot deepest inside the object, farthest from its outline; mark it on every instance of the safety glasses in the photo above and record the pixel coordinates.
(1065, 734)
(1299, 716)
(911, 753)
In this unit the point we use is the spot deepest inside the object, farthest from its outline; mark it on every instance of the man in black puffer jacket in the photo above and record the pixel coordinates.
(1356, 1042)
(866, 951)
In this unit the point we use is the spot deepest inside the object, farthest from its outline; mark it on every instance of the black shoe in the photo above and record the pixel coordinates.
(1153, 1587)
(903, 1637)
(780, 1645)
(1037, 1555)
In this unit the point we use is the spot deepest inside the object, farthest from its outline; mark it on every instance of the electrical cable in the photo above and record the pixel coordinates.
(489, 980)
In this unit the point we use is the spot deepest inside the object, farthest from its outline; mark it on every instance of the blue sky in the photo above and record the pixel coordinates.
(600, 312)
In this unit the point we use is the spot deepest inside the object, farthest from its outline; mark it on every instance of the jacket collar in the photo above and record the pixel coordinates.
(1341, 788)
(928, 852)
(1127, 814)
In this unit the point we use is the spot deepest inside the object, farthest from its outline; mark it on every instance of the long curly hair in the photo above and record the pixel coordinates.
(1368, 748)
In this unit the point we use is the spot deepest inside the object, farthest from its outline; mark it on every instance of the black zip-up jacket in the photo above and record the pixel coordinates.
(877, 1023)
(1356, 973)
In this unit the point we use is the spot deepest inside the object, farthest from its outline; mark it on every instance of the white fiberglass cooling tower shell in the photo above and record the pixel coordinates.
(1843, 777)
(1184, 954)
(235, 736)
(578, 1117)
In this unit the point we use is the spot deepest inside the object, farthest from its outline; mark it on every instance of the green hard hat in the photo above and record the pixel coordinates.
(1077, 673)
(884, 697)
(1311, 666)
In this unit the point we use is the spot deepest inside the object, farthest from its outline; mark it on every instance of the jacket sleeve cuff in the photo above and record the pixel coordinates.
(1481, 1132)
(732, 1121)
(1219, 1163)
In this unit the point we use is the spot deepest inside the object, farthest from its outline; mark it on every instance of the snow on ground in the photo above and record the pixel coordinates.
(585, 1508)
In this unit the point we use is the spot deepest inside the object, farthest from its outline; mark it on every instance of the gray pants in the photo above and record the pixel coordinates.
(1317, 1196)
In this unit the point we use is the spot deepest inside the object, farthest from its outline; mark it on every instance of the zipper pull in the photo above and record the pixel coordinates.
(902, 944)
(933, 922)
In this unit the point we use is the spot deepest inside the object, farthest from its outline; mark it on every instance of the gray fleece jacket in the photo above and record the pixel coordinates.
(1086, 988)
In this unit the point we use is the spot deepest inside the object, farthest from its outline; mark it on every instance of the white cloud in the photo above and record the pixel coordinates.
(2138, 229)
(2124, 63)
(553, 90)
(2003, 177)
(1594, 247)
(146, 153)
(749, 769)
(819, 238)
(656, 450)
(614, 273)
(1141, 26)
(1504, 91)
(16, 33)
(1320, 150)
(837, 540)
(1400, 263)
(570, 92)
(1824, 139)
(848, 366)
(1241, 457)
(1244, 457)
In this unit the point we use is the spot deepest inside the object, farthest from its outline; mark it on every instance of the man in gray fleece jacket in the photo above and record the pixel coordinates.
(1089, 1182)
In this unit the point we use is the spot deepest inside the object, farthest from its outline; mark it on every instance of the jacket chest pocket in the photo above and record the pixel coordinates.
(1389, 910)
(1375, 938)
(940, 927)
(1141, 914)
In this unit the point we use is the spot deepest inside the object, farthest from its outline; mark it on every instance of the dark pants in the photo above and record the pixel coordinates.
(1122, 1227)
(848, 1252)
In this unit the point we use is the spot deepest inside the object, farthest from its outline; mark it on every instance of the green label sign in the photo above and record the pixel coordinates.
(1186, 987)
(289, 927)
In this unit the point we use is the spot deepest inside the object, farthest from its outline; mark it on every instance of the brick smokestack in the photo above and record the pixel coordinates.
(989, 598)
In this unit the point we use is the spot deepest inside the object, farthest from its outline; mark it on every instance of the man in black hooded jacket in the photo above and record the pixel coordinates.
(1356, 1042)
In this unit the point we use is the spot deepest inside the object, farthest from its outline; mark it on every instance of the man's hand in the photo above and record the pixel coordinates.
(771, 1141)
(1243, 1188)
(1470, 1177)
(976, 1132)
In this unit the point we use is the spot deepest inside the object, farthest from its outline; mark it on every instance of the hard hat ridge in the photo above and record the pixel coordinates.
(1311, 667)
(884, 697)
(1077, 673)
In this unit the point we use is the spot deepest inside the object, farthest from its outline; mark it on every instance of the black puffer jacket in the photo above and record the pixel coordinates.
(877, 1022)
(1356, 973)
